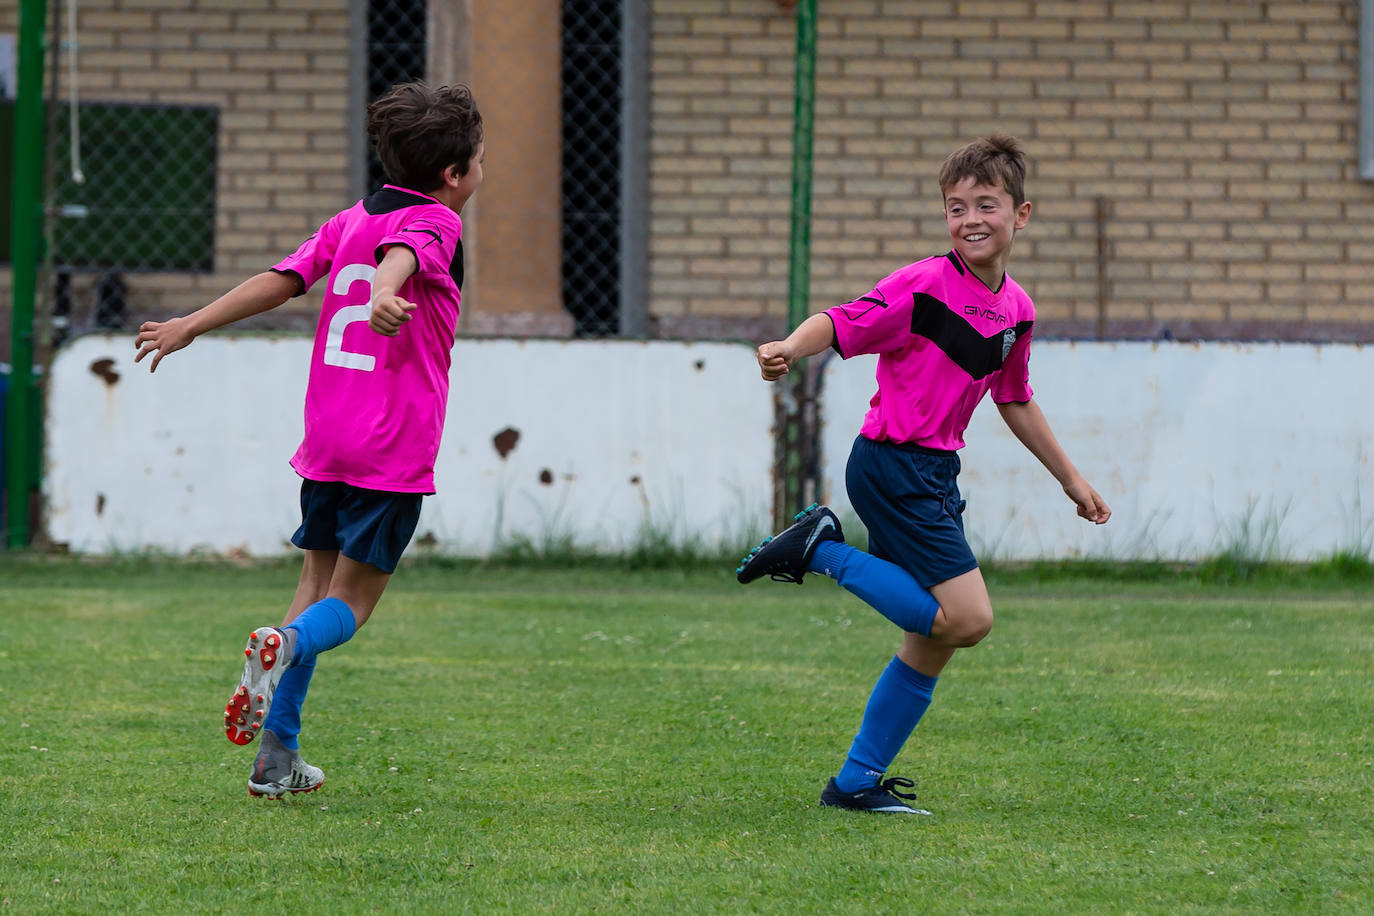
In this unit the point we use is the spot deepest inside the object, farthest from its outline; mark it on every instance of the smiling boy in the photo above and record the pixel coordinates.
(947, 330)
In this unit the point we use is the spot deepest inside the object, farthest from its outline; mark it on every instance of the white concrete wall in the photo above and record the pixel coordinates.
(673, 436)
(1198, 449)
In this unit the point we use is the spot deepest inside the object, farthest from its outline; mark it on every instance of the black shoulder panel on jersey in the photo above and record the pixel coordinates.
(853, 311)
(455, 269)
(389, 199)
(954, 259)
(977, 355)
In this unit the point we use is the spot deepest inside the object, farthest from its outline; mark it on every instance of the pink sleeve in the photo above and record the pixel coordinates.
(313, 259)
(1012, 385)
(433, 234)
(871, 324)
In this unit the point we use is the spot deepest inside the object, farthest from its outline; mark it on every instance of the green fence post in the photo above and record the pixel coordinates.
(26, 220)
(796, 449)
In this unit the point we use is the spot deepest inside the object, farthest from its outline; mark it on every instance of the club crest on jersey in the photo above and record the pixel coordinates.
(1008, 341)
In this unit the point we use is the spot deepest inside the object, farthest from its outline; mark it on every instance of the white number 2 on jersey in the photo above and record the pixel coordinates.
(334, 353)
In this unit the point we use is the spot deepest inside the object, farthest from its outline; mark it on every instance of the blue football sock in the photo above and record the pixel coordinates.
(898, 701)
(888, 588)
(284, 719)
(321, 627)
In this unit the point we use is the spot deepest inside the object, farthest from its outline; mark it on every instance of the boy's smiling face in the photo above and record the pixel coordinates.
(982, 221)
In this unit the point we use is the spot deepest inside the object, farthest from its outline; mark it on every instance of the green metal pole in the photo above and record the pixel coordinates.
(26, 221)
(796, 449)
(803, 129)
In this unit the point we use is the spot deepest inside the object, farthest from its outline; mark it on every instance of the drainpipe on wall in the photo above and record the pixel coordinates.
(26, 224)
(1367, 90)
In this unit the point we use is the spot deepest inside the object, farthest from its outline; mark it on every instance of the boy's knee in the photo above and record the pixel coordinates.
(969, 628)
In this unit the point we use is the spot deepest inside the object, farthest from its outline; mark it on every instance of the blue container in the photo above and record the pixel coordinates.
(36, 452)
(4, 396)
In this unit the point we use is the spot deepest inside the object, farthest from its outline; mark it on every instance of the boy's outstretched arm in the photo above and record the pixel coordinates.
(1029, 425)
(390, 311)
(253, 296)
(811, 337)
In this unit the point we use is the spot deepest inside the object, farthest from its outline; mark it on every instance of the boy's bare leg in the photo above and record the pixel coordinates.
(358, 585)
(278, 769)
(965, 614)
(330, 574)
(316, 572)
(271, 650)
(925, 655)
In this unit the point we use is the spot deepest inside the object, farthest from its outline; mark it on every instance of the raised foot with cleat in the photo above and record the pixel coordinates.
(784, 556)
(266, 657)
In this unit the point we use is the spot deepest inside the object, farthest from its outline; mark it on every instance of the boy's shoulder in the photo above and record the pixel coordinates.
(391, 209)
(927, 272)
(1017, 293)
(390, 198)
(944, 277)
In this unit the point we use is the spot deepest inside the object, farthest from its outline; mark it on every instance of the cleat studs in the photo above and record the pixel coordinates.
(248, 652)
(257, 725)
(243, 691)
(266, 658)
(258, 713)
(272, 641)
(261, 698)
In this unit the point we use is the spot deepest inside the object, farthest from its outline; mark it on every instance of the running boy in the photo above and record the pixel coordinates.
(947, 330)
(374, 404)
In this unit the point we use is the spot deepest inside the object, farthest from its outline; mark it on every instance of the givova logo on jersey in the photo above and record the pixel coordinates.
(977, 311)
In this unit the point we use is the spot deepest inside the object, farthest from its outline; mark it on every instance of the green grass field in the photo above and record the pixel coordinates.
(540, 740)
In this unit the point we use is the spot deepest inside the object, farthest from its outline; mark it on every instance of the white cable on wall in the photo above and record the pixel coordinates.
(78, 176)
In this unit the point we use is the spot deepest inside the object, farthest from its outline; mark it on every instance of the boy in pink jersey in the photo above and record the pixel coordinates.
(374, 404)
(947, 330)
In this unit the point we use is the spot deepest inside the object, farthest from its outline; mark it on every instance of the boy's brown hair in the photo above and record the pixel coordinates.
(419, 131)
(997, 159)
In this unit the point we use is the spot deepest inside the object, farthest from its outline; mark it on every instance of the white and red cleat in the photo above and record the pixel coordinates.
(278, 772)
(266, 657)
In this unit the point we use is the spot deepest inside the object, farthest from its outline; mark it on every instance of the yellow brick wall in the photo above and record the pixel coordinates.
(1220, 137)
(278, 70)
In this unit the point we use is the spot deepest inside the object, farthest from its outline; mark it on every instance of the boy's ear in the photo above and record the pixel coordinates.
(452, 176)
(1023, 214)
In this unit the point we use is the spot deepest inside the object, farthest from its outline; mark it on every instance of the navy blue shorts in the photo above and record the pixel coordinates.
(908, 498)
(370, 526)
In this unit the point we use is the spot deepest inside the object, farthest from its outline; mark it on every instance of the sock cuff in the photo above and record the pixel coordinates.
(921, 683)
(322, 626)
(344, 614)
(828, 558)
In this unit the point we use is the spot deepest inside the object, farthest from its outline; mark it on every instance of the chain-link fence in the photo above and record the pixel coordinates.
(591, 187)
(1194, 169)
(126, 201)
(191, 146)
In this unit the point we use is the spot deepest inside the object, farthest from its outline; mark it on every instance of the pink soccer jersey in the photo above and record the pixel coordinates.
(943, 340)
(374, 405)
